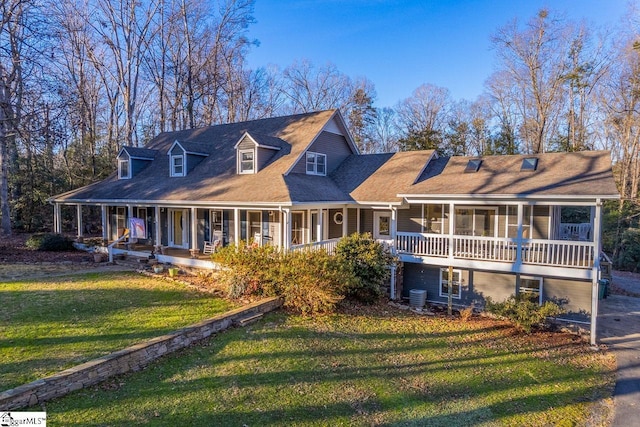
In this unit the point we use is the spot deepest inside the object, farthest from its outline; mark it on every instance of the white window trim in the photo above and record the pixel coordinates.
(442, 294)
(120, 176)
(539, 279)
(473, 218)
(509, 224)
(172, 165)
(315, 164)
(376, 225)
(247, 172)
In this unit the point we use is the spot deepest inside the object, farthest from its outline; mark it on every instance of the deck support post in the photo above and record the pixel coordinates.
(319, 225)
(597, 226)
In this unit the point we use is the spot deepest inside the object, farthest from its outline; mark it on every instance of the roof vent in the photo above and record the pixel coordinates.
(473, 165)
(529, 164)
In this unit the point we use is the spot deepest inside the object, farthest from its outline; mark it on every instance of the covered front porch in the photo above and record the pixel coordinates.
(178, 233)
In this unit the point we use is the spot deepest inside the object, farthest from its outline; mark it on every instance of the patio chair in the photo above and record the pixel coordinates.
(211, 247)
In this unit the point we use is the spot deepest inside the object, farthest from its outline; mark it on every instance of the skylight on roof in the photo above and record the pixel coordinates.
(473, 165)
(529, 164)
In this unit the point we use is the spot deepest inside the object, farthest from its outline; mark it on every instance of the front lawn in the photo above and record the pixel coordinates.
(368, 367)
(50, 325)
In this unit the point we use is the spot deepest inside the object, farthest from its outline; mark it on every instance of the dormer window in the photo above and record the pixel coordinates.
(316, 163)
(246, 163)
(177, 165)
(124, 169)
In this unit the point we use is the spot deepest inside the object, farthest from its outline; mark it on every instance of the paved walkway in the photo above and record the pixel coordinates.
(619, 328)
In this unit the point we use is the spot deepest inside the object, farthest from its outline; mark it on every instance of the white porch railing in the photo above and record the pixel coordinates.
(556, 253)
(559, 253)
(484, 248)
(328, 245)
(423, 244)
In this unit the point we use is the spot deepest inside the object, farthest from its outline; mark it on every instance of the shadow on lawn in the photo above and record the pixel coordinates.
(51, 329)
(257, 377)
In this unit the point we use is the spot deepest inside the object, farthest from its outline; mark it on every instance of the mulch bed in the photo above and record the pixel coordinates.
(14, 250)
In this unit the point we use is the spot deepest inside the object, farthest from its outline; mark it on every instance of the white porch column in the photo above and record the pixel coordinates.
(236, 226)
(319, 225)
(79, 219)
(358, 220)
(519, 247)
(287, 229)
(194, 233)
(309, 240)
(597, 241)
(57, 219)
(394, 229)
(345, 222)
(105, 222)
(158, 228)
(451, 229)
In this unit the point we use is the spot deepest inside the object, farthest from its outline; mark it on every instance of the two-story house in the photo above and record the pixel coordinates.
(527, 224)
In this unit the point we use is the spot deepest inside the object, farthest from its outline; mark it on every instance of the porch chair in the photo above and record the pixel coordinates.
(584, 230)
(211, 247)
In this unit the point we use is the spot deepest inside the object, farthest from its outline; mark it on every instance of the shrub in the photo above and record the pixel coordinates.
(369, 261)
(49, 242)
(524, 313)
(311, 282)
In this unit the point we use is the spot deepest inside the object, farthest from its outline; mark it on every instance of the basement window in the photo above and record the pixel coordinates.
(473, 165)
(529, 164)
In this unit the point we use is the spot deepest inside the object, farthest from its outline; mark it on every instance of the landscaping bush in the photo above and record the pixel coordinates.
(311, 282)
(369, 262)
(524, 313)
(49, 242)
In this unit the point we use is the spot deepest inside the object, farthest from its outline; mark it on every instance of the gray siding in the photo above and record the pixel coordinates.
(246, 144)
(366, 221)
(263, 156)
(335, 230)
(410, 220)
(352, 224)
(177, 151)
(498, 286)
(334, 146)
(540, 222)
(574, 295)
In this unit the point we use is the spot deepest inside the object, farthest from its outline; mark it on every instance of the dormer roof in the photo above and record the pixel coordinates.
(138, 153)
(194, 148)
(262, 141)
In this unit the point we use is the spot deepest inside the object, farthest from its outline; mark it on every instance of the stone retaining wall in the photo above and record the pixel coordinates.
(131, 358)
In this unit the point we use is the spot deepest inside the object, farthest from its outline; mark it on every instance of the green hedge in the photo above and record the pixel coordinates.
(524, 313)
(49, 242)
(311, 281)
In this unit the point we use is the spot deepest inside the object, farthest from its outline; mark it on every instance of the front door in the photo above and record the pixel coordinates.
(178, 228)
(382, 225)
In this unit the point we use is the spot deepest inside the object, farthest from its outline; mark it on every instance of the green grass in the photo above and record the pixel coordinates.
(48, 326)
(372, 368)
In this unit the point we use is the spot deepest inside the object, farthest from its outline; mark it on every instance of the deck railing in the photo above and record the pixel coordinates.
(557, 253)
(328, 245)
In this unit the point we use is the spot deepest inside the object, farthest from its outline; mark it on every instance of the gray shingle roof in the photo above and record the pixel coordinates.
(585, 173)
(215, 178)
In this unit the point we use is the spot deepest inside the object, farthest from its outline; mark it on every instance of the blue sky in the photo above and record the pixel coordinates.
(399, 45)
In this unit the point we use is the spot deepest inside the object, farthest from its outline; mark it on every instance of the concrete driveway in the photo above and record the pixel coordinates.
(619, 328)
